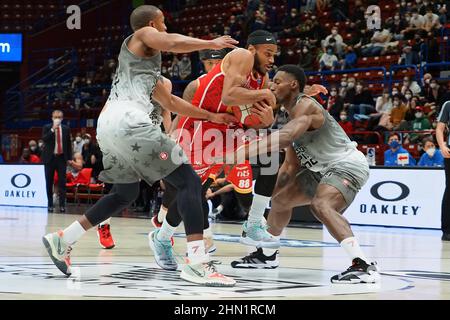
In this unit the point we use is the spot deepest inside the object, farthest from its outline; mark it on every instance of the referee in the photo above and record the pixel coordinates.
(443, 124)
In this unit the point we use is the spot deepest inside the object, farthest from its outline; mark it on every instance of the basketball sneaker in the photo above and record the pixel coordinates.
(358, 272)
(206, 274)
(105, 237)
(257, 260)
(257, 236)
(163, 252)
(59, 251)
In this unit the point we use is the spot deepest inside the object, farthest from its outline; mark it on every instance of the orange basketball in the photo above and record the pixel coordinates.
(244, 115)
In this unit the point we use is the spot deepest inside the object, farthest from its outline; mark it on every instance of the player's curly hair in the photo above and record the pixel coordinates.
(297, 72)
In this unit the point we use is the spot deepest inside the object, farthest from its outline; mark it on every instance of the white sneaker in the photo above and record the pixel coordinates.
(59, 251)
(206, 274)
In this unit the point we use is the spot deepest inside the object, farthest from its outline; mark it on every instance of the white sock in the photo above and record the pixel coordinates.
(166, 232)
(196, 252)
(72, 233)
(259, 205)
(352, 248)
(107, 221)
(162, 214)
(207, 233)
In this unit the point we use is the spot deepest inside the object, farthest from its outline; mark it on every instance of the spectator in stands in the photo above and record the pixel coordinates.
(292, 19)
(344, 123)
(442, 9)
(328, 61)
(384, 103)
(174, 69)
(416, 24)
(396, 155)
(74, 166)
(378, 43)
(362, 104)
(339, 44)
(306, 60)
(335, 104)
(258, 22)
(34, 148)
(432, 156)
(310, 6)
(92, 156)
(411, 85)
(397, 25)
(435, 93)
(185, 67)
(28, 157)
(408, 56)
(398, 111)
(343, 87)
(421, 122)
(78, 143)
(316, 32)
(350, 92)
(41, 145)
(339, 10)
(432, 23)
(350, 58)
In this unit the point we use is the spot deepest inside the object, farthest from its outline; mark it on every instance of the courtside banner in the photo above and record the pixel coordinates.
(400, 198)
(22, 185)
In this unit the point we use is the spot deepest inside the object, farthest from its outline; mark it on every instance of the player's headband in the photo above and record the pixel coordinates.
(261, 39)
(212, 54)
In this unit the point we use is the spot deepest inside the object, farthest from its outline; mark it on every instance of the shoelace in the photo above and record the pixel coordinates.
(211, 265)
(250, 257)
(105, 231)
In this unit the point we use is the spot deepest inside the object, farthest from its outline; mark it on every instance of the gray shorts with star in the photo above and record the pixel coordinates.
(133, 147)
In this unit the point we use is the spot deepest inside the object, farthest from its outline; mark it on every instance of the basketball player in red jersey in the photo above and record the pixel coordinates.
(240, 79)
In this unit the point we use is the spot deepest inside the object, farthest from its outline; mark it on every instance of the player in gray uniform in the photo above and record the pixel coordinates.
(134, 147)
(322, 168)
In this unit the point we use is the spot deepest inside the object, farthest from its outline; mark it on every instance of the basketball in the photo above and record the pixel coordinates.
(244, 115)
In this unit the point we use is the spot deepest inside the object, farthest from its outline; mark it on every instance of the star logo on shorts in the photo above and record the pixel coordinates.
(162, 171)
(154, 155)
(121, 166)
(146, 164)
(136, 147)
(114, 159)
(136, 161)
(121, 176)
(128, 132)
(163, 155)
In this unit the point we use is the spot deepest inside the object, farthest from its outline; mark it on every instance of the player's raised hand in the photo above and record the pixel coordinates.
(222, 118)
(315, 89)
(223, 42)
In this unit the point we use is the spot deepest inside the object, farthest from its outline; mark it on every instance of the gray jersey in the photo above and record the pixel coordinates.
(135, 77)
(319, 149)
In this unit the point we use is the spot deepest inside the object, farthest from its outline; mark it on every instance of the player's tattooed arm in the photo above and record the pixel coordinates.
(189, 91)
(238, 65)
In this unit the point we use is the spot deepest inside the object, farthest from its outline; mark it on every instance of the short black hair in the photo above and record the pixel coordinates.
(260, 37)
(142, 15)
(297, 72)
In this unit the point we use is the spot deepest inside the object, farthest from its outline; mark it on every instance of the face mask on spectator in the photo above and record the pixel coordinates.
(394, 144)
(56, 122)
(78, 139)
(418, 115)
(185, 59)
(343, 84)
(41, 144)
(329, 51)
(433, 85)
(343, 117)
(305, 50)
(359, 87)
(351, 85)
(86, 141)
(407, 96)
(333, 93)
(397, 17)
(431, 152)
(403, 3)
(394, 92)
(427, 81)
(33, 148)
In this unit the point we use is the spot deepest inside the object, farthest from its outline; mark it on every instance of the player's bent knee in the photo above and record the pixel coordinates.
(319, 207)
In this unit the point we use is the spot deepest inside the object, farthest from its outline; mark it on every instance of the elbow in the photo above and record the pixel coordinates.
(227, 99)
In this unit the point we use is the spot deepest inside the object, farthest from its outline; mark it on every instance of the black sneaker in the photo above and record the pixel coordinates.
(50, 209)
(446, 237)
(62, 210)
(358, 272)
(257, 260)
